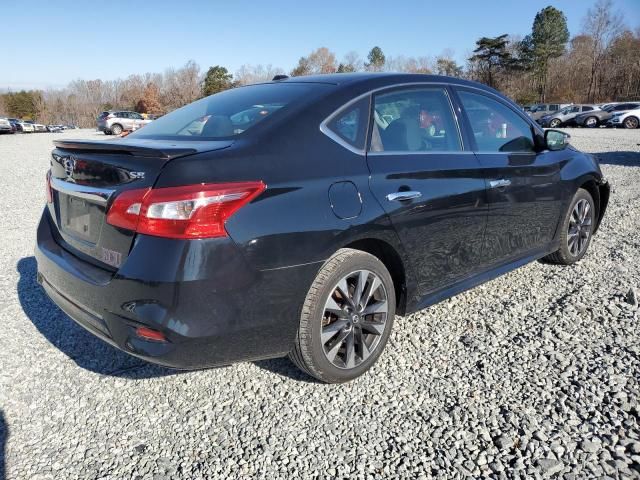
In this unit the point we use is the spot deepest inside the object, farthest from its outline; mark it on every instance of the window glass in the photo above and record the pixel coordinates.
(230, 113)
(587, 109)
(414, 120)
(496, 127)
(553, 108)
(351, 123)
(575, 109)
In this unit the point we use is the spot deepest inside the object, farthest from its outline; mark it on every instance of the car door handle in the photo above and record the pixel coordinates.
(499, 183)
(401, 196)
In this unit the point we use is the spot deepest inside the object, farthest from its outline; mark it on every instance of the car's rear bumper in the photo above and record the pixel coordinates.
(212, 307)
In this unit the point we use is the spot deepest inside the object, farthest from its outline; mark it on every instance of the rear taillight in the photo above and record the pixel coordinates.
(193, 211)
(49, 191)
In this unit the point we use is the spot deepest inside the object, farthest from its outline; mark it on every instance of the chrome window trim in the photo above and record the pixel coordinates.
(362, 151)
(93, 194)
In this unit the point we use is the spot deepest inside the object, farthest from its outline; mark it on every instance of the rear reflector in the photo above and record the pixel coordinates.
(150, 334)
(193, 211)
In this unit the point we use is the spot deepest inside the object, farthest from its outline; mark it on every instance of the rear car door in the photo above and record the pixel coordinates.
(429, 185)
(523, 185)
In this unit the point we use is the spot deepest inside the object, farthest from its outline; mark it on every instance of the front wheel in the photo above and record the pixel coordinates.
(346, 318)
(591, 122)
(116, 129)
(577, 229)
(631, 122)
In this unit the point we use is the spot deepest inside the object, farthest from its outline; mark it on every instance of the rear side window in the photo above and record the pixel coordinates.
(350, 124)
(230, 113)
(496, 127)
(553, 108)
(587, 109)
(416, 120)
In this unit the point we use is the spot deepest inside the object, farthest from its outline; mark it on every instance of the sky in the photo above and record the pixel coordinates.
(49, 43)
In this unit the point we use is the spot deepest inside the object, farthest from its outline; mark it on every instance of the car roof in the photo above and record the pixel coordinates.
(363, 77)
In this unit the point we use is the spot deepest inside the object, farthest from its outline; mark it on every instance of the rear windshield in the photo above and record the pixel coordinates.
(229, 113)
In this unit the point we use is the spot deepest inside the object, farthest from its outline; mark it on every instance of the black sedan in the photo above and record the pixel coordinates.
(212, 236)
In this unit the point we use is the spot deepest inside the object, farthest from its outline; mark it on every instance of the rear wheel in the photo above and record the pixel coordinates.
(577, 229)
(631, 122)
(116, 129)
(555, 123)
(591, 122)
(346, 318)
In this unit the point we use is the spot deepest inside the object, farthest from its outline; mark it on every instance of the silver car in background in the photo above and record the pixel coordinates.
(628, 119)
(114, 122)
(542, 109)
(565, 116)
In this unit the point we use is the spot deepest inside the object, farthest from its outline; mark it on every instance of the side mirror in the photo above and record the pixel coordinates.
(556, 140)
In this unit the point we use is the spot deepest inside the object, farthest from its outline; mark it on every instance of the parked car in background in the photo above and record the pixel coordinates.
(116, 121)
(17, 124)
(542, 109)
(54, 128)
(37, 127)
(597, 118)
(628, 119)
(301, 215)
(27, 127)
(5, 126)
(565, 116)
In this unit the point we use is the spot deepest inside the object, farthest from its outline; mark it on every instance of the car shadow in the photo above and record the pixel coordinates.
(626, 159)
(4, 437)
(86, 350)
(284, 368)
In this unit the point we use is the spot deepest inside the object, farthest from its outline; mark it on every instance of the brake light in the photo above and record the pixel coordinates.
(193, 211)
(150, 334)
(49, 190)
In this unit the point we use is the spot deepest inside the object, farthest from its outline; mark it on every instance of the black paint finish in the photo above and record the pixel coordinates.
(228, 299)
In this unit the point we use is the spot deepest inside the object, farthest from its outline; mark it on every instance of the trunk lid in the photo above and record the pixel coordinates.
(87, 175)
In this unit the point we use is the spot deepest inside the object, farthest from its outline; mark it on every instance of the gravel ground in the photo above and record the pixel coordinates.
(533, 375)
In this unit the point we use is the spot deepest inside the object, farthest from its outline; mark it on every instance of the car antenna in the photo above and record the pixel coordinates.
(279, 77)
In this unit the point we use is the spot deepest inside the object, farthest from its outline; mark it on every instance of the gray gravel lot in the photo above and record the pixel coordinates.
(533, 375)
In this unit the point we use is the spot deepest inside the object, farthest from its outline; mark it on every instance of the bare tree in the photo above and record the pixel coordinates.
(603, 26)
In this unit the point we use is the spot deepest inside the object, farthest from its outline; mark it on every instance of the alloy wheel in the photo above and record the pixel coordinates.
(579, 227)
(631, 122)
(554, 123)
(354, 319)
(591, 122)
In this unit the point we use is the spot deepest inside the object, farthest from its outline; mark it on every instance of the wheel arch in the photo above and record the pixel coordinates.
(392, 260)
(600, 195)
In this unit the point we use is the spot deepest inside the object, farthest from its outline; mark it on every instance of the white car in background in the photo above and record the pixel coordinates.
(628, 119)
(27, 127)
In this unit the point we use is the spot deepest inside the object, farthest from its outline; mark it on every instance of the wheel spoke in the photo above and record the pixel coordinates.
(361, 282)
(362, 344)
(331, 330)
(333, 351)
(371, 289)
(343, 288)
(375, 328)
(333, 307)
(349, 351)
(378, 307)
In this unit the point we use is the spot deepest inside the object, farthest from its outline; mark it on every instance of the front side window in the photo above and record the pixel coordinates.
(230, 113)
(417, 120)
(496, 127)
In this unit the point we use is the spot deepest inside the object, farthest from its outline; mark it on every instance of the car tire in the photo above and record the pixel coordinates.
(116, 129)
(337, 340)
(555, 123)
(107, 132)
(577, 229)
(631, 122)
(591, 122)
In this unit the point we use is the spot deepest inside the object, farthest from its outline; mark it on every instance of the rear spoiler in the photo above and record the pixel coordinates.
(141, 148)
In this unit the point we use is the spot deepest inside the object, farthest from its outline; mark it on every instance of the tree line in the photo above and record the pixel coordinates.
(601, 63)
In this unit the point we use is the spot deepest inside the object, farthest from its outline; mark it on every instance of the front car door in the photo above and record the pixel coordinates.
(523, 185)
(428, 183)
